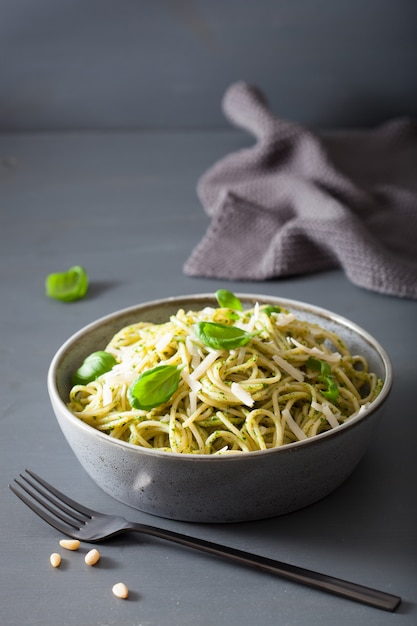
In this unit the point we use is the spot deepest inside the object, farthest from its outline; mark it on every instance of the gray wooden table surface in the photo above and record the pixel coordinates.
(124, 206)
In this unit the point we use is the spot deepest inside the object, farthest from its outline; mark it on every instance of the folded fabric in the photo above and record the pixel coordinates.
(298, 202)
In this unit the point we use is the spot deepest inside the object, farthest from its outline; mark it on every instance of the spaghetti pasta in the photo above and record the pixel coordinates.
(287, 381)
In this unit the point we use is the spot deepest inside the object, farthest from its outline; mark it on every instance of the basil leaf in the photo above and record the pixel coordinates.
(271, 309)
(220, 336)
(332, 391)
(326, 376)
(154, 387)
(93, 366)
(228, 300)
(314, 364)
(67, 286)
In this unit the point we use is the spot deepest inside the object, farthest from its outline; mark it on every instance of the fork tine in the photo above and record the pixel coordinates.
(42, 513)
(76, 506)
(59, 510)
(65, 514)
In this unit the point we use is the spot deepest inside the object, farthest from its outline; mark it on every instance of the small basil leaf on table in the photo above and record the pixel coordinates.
(226, 299)
(67, 286)
(93, 366)
(221, 336)
(154, 387)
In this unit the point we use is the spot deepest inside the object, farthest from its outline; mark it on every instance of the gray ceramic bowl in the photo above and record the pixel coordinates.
(231, 488)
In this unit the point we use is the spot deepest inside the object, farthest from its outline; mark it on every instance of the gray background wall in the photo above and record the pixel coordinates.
(133, 64)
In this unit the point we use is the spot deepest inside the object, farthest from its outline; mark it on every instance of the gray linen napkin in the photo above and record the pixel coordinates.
(297, 202)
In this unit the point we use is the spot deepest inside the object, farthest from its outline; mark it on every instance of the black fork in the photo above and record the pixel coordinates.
(77, 521)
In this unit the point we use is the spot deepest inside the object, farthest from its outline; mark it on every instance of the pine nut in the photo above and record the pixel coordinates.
(55, 559)
(69, 544)
(92, 557)
(120, 590)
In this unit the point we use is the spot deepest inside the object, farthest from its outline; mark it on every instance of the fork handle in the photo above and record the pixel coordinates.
(330, 584)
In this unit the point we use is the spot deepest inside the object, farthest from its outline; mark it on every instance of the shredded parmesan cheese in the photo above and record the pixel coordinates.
(327, 412)
(300, 434)
(283, 319)
(334, 357)
(361, 410)
(107, 396)
(191, 381)
(205, 364)
(329, 415)
(290, 369)
(163, 342)
(193, 402)
(119, 377)
(250, 324)
(241, 394)
(191, 346)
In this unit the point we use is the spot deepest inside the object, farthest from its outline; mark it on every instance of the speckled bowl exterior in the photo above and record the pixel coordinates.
(218, 489)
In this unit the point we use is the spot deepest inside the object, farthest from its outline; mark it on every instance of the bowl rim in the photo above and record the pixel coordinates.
(299, 305)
